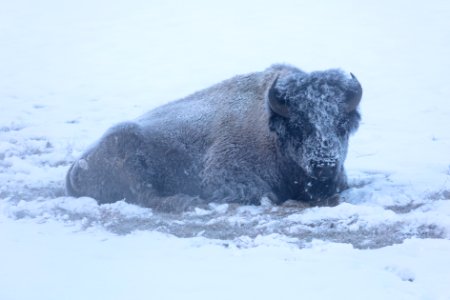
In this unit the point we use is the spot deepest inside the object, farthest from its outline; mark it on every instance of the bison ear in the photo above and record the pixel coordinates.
(277, 105)
(355, 97)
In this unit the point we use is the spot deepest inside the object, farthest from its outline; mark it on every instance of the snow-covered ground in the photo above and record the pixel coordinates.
(71, 69)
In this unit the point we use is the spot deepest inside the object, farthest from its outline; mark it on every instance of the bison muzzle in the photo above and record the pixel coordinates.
(281, 133)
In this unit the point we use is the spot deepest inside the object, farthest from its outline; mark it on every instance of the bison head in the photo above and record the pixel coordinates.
(313, 115)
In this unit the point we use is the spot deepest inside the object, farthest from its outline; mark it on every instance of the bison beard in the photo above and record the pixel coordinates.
(281, 133)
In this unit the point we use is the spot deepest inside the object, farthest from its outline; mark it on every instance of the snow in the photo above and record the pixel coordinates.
(73, 263)
(71, 69)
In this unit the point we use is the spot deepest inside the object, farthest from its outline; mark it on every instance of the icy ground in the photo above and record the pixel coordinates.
(71, 69)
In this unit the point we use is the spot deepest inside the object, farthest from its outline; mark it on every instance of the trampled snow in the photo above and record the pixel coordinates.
(71, 69)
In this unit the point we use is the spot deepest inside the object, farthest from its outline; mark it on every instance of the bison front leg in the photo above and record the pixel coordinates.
(114, 169)
(229, 180)
(248, 191)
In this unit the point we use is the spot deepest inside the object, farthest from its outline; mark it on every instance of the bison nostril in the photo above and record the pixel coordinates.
(326, 145)
(324, 170)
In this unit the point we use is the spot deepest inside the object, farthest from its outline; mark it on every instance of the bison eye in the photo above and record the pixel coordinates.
(300, 130)
(343, 128)
(352, 122)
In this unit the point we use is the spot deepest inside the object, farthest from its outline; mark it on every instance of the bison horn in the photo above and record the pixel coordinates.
(276, 104)
(355, 98)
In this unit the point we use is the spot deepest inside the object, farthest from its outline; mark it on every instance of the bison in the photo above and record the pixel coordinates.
(281, 133)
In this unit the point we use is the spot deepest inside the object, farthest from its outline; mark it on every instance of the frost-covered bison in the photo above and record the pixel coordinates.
(281, 133)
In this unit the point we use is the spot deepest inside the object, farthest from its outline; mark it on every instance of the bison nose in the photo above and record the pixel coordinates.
(323, 170)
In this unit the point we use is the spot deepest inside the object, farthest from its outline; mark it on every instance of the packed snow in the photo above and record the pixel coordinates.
(71, 69)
